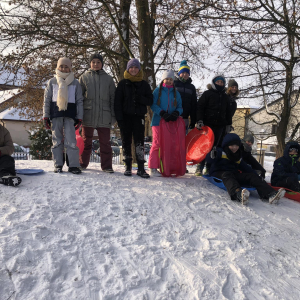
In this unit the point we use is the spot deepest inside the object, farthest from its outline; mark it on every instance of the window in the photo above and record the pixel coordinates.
(274, 129)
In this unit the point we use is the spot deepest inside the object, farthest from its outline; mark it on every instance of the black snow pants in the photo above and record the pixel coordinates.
(7, 165)
(291, 183)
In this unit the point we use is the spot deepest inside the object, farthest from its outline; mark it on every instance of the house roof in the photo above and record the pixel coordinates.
(10, 79)
(13, 113)
(5, 95)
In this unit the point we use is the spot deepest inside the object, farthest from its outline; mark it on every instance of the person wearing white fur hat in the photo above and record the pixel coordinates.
(63, 107)
(167, 104)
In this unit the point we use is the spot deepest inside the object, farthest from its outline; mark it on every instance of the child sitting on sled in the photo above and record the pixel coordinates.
(167, 104)
(286, 172)
(227, 164)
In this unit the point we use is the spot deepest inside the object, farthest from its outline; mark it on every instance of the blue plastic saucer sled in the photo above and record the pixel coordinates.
(219, 183)
(29, 171)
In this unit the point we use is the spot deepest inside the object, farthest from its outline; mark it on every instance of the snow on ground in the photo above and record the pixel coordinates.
(107, 236)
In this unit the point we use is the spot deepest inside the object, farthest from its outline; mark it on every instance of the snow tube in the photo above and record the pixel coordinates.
(288, 194)
(79, 140)
(172, 147)
(219, 183)
(198, 143)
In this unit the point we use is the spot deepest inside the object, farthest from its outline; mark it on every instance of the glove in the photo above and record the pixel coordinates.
(199, 125)
(77, 123)
(192, 126)
(174, 115)
(47, 123)
(213, 153)
(229, 128)
(166, 116)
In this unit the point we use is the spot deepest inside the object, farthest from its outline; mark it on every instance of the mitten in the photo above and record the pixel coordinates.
(174, 115)
(77, 123)
(199, 125)
(213, 153)
(47, 123)
(166, 116)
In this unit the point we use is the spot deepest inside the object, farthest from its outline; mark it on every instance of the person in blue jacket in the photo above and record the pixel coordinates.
(286, 172)
(227, 164)
(167, 104)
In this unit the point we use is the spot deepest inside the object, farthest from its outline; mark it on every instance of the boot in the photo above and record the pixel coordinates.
(141, 170)
(128, 166)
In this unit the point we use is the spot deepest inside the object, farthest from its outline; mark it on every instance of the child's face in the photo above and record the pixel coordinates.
(133, 71)
(249, 143)
(184, 75)
(64, 68)
(96, 64)
(293, 152)
(233, 89)
(233, 148)
(168, 81)
(220, 82)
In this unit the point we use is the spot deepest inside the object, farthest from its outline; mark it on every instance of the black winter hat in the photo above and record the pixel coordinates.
(232, 82)
(96, 55)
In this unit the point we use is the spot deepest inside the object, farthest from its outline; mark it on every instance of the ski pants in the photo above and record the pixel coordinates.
(63, 136)
(105, 146)
(7, 165)
(235, 180)
(133, 126)
(291, 183)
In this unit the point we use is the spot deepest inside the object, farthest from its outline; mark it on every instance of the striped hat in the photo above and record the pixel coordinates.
(184, 68)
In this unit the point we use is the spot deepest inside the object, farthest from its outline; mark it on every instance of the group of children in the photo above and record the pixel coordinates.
(94, 102)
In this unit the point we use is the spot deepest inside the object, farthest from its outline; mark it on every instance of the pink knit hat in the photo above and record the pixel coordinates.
(64, 61)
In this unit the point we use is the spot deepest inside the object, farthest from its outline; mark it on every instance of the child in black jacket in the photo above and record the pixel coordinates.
(227, 165)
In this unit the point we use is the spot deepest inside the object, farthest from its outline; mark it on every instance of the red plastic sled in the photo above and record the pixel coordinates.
(79, 142)
(289, 193)
(198, 144)
(172, 147)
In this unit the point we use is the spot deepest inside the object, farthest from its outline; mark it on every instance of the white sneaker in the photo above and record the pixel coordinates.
(155, 173)
(274, 198)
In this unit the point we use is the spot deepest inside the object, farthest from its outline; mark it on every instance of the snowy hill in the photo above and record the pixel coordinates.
(107, 236)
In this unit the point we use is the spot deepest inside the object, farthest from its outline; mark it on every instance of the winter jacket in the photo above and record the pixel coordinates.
(6, 143)
(189, 99)
(250, 160)
(166, 103)
(75, 101)
(286, 166)
(222, 162)
(98, 89)
(132, 98)
(213, 108)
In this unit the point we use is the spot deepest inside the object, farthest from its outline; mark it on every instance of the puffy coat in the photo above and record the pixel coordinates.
(166, 103)
(132, 98)
(286, 166)
(213, 108)
(189, 98)
(6, 143)
(75, 101)
(98, 89)
(222, 162)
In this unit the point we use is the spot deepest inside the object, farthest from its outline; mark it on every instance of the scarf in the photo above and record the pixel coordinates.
(235, 157)
(136, 78)
(167, 86)
(63, 80)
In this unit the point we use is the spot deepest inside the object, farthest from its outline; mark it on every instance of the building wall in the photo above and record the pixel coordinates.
(239, 121)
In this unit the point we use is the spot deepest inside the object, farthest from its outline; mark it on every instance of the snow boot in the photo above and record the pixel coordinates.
(155, 173)
(74, 170)
(128, 166)
(242, 196)
(58, 169)
(141, 171)
(274, 197)
(199, 170)
(11, 180)
(110, 170)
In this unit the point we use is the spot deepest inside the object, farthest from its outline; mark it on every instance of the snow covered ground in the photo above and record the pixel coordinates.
(107, 236)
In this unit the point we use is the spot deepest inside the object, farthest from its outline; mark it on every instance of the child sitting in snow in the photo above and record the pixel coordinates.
(286, 172)
(63, 107)
(167, 104)
(226, 166)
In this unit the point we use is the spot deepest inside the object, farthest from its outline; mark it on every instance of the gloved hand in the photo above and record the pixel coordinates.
(166, 116)
(174, 115)
(229, 128)
(192, 126)
(213, 152)
(77, 123)
(47, 123)
(199, 125)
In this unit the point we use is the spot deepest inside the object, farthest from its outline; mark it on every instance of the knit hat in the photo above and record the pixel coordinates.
(219, 77)
(133, 63)
(168, 74)
(184, 67)
(249, 138)
(64, 61)
(231, 139)
(98, 56)
(232, 82)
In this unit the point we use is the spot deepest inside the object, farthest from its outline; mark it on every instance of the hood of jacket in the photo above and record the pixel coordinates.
(288, 146)
(230, 137)
(212, 85)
